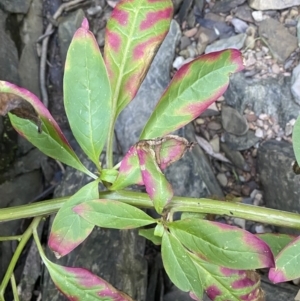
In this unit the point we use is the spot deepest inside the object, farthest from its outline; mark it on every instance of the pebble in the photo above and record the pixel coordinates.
(184, 42)
(257, 15)
(215, 144)
(259, 133)
(275, 69)
(214, 125)
(239, 25)
(222, 179)
(178, 62)
(240, 222)
(191, 32)
(92, 11)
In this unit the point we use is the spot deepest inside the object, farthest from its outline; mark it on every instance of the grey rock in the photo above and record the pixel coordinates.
(239, 143)
(32, 29)
(184, 42)
(270, 96)
(66, 29)
(15, 6)
(272, 4)
(273, 31)
(244, 12)
(280, 184)
(235, 157)
(298, 32)
(226, 6)
(296, 84)
(8, 58)
(239, 25)
(233, 122)
(236, 42)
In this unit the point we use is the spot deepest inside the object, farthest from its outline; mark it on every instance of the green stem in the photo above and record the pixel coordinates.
(7, 238)
(14, 287)
(178, 204)
(110, 144)
(25, 237)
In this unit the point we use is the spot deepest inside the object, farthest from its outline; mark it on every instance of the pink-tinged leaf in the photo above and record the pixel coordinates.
(80, 284)
(158, 188)
(168, 149)
(113, 214)
(69, 229)
(194, 87)
(222, 244)
(87, 93)
(133, 34)
(32, 120)
(129, 171)
(287, 263)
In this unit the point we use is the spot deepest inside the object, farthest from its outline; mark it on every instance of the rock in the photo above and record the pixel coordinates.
(32, 29)
(94, 10)
(298, 32)
(272, 31)
(66, 29)
(192, 175)
(233, 122)
(272, 4)
(296, 84)
(191, 32)
(184, 42)
(214, 125)
(258, 15)
(239, 25)
(206, 35)
(178, 62)
(244, 12)
(215, 144)
(240, 143)
(270, 96)
(236, 42)
(226, 6)
(15, 6)
(280, 184)
(8, 57)
(235, 157)
(221, 177)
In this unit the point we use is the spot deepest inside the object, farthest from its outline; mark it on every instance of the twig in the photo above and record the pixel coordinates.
(45, 37)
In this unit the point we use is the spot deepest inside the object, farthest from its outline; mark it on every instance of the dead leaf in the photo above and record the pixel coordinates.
(16, 105)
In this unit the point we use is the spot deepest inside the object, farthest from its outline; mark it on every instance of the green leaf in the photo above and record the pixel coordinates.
(149, 234)
(32, 120)
(68, 228)
(287, 263)
(113, 214)
(222, 244)
(87, 93)
(222, 283)
(296, 140)
(194, 87)
(133, 34)
(276, 241)
(158, 188)
(108, 175)
(81, 284)
(179, 266)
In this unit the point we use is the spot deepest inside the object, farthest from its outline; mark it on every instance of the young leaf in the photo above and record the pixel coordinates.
(113, 214)
(129, 171)
(179, 266)
(32, 120)
(149, 234)
(222, 283)
(287, 263)
(133, 34)
(69, 229)
(276, 241)
(222, 244)
(108, 175)
(158, 188)
(193, 88)
(87, 93)
(81, 284)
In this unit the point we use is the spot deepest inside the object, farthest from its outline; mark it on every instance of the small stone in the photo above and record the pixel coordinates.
(275, 69)
(272, 4)
(191, 32)
(263, 116)
(240, 222)
(251, 117)
(233, 122)
(239, 25)
(94, 10)
(259, 133)
(215, 144)
(246, 190)
(178, 62)
(214, 125)
(296, 84)
(200, 121)
(259, 229)
(250, 42)
(184, 42)
(221, 177)
(257, 15)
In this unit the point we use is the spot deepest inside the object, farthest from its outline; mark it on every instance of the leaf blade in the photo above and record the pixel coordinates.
(68, 228)
(113, 214)
(193, 88)
(87, 93)
(131, 45)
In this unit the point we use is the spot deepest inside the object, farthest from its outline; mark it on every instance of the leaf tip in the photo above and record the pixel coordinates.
(277, 276)
(85, 24)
